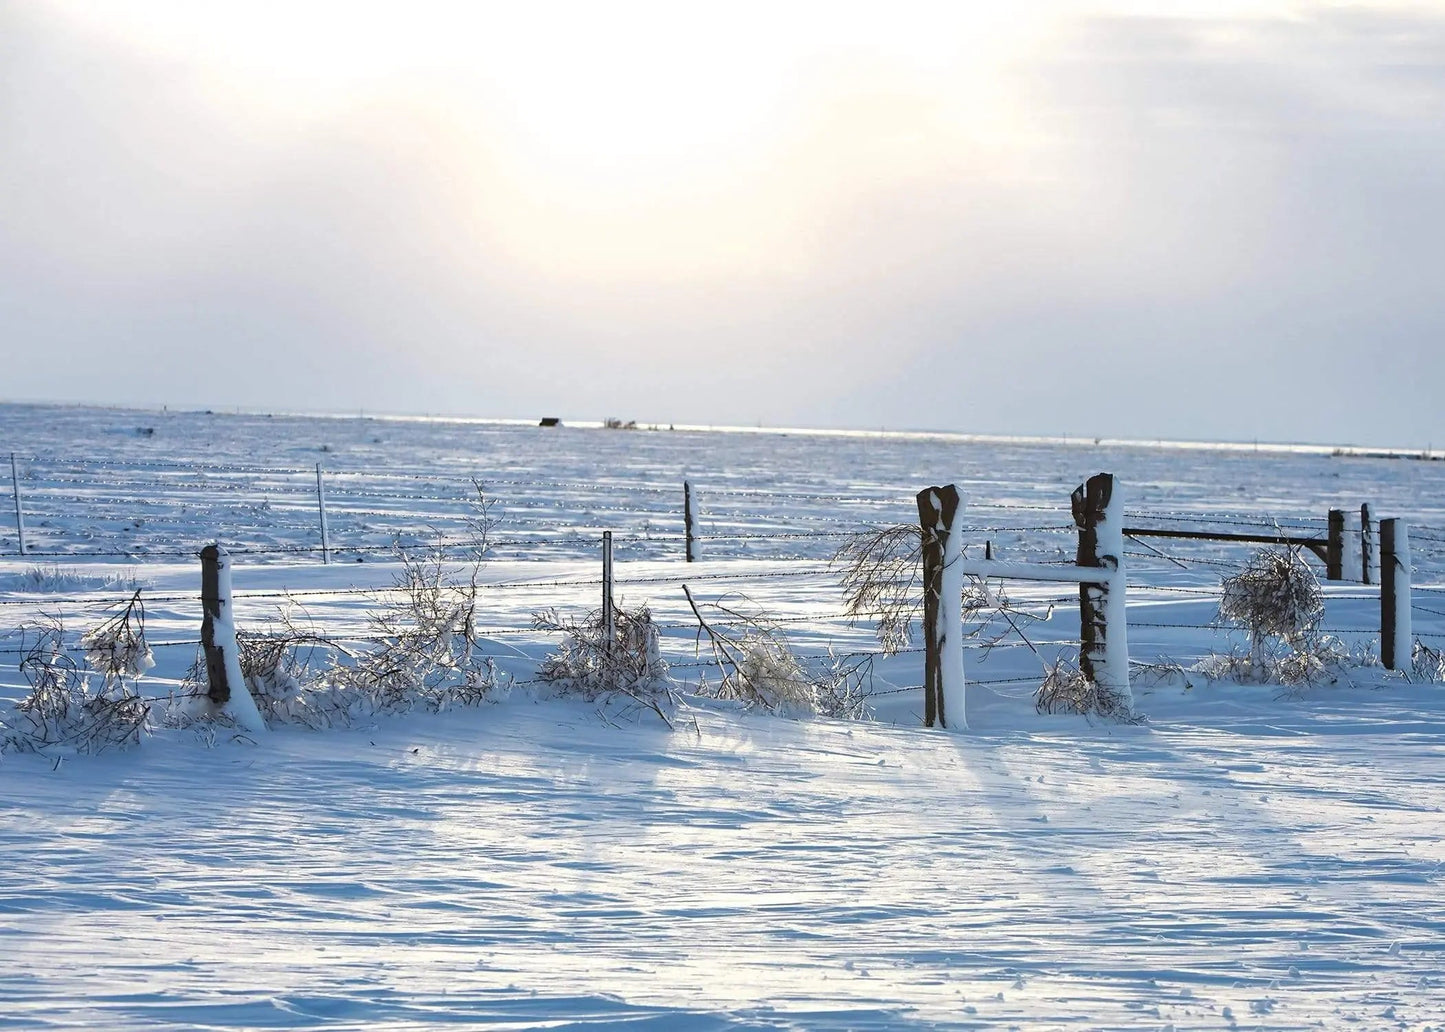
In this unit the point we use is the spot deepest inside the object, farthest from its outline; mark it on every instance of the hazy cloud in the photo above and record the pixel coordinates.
(1143, 226)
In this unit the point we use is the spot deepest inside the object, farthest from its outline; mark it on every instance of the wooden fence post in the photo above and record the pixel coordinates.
(1335, 546)
(689, 520)
(609, 616)
(19, 512)
(943, 679)
(1098, 509)
(226, 684)
(1351, 547)
(1397, 639)
(321, 505)
(1369, 546)
(212, 604)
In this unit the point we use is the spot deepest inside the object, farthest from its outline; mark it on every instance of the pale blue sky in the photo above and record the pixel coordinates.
(1147, 220)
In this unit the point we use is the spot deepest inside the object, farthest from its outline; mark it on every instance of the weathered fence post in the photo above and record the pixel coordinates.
(1335, 546)
(1352, 561)
(321, 505)
(1103, 624)
(689, 520)
(226, 684)
(943, 679)
(1369, 546)
(1397, 639)
(609, 616)
(19, 512)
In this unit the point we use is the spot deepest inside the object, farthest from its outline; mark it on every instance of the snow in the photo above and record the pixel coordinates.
(240, 707)
(1250, 855)
(529, 864)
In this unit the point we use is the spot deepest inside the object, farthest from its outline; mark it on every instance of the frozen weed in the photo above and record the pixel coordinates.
(480, 520)
(760, 669)
(1274, 596)
(1065, 689)
(61, 714)
(55, 579)
(596, 665)
(426, 650)
(425, 654)
(1427, 665)
(882, 579)
(1304, 661)
(117, 649)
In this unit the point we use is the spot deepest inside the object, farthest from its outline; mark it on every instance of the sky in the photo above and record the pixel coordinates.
(1148, 220)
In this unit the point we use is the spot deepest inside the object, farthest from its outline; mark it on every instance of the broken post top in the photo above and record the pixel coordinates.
(1091, 499)
(1099, 513)
(937, 506)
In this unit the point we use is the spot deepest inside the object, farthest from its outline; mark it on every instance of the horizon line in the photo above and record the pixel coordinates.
(956, 436)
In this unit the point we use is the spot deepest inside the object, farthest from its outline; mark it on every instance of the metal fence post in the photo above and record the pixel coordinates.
(609, 615)
(321, 505)
(19, 512)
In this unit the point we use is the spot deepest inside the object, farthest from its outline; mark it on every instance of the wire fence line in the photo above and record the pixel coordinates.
(1007, 638)
(376, 513)
(86, 501)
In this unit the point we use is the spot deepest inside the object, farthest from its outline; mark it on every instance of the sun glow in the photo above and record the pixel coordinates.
(591, 141)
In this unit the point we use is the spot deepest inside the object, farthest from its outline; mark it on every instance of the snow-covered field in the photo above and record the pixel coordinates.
(1247, 857)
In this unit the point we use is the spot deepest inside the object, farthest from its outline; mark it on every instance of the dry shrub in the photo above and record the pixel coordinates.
(273, 671)
(882, 579)
(426, 649)
(481, 520)
(595, 666)
(1277, 600)
(1274, 596)
(760, 669)
(61, 714)
(1065, 689)
(425, 654)
(1162, 673)
(1304, 661)
(1426, 664)
(52, 578)
(117, 649)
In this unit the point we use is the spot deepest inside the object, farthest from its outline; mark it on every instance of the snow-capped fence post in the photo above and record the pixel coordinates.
(226, 685)
(1369, 546)
(943, 680)
(1335, 546)
(1351, 547)
(689, 520)
(19, 510)
(609, 617)
(321, 506)
(1103, 624)
(1397, 639)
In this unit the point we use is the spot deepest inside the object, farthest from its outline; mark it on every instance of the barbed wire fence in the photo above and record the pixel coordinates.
(268, 509)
